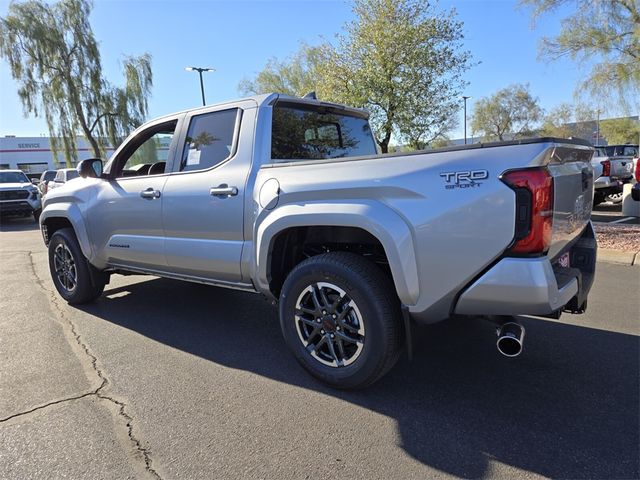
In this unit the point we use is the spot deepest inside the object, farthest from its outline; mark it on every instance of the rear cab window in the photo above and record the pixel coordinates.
(308, 132)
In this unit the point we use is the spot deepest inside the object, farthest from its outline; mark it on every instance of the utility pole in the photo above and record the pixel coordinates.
(200, 70)
(465, 118)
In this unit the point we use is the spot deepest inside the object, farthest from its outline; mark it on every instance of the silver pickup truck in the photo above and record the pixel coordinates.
(289, 197)
(613, 166)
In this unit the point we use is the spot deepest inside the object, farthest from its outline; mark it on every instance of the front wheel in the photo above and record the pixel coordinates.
(70, 270)
(341, 318)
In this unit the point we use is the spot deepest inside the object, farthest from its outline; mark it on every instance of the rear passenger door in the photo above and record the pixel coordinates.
(203, 206)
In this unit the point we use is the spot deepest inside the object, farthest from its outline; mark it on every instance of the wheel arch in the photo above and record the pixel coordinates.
(65, 215)
(369, 220)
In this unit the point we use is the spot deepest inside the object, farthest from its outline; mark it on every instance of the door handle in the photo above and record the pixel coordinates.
(223, 190)
(150, 193)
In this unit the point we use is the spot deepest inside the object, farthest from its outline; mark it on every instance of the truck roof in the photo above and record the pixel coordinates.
(270, 99)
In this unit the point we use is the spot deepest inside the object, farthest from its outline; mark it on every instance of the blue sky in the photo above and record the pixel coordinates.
(237, 38)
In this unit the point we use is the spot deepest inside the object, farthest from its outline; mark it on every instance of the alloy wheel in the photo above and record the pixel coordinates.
(65, 267)
(329, 324)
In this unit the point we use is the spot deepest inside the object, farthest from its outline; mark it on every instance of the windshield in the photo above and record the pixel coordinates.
(13, 177)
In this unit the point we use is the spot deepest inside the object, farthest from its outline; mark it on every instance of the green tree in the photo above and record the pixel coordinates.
(511, 112)
(400, 59)
(296, 75)
(556, 123)
(403, 61)
(620, 130)
(606, 32)
(54, 57)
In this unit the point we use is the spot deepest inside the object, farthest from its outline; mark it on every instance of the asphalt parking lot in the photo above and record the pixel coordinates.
(162, 379)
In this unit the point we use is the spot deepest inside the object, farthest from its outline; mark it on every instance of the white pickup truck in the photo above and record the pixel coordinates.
(289, 197)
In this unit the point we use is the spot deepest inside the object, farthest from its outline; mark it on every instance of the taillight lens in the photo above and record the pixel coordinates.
(534, 209)
(637, 160)
(606, 168)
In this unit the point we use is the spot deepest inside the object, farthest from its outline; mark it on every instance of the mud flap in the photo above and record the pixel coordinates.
(408, 338)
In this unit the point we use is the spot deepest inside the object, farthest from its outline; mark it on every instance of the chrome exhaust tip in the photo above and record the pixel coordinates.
(510, 339)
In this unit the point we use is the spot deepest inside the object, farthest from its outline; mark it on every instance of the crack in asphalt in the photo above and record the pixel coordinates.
(40, 407)
(121, 406)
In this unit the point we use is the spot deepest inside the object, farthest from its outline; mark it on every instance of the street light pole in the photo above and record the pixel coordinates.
(465, 118)
(200, 70)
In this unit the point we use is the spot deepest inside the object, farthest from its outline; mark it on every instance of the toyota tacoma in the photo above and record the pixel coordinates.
(289, 197)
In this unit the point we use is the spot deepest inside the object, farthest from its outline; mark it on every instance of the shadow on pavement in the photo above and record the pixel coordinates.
(18, 224)
(568, 408)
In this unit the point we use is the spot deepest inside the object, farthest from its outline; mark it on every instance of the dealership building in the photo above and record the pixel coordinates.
(33, 155)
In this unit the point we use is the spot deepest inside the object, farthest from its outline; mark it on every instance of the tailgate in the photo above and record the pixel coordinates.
(570, 167)
(621, 167)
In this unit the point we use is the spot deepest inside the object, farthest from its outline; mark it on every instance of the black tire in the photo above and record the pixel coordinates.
(598, 198)
(64, 246)
(376, 314)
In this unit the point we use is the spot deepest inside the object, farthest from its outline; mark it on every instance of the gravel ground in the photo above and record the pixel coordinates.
(618, 237)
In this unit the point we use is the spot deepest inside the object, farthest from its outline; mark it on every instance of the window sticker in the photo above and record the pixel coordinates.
(194, 157)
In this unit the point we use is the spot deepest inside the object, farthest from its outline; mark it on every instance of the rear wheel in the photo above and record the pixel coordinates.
(598, 198)
(341, 318)
(70, 270)
(615, 197)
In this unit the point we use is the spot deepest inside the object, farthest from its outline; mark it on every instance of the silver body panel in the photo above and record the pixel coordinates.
(437, 239)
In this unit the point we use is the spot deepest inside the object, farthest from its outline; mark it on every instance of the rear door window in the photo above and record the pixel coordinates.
(210, 140)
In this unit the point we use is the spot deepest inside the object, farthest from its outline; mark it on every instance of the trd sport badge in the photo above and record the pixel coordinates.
(464, 179)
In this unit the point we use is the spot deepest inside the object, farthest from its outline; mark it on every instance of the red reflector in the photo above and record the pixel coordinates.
(606, 168)
(539, 205)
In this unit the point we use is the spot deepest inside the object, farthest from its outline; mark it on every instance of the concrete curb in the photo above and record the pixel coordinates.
(618, 257)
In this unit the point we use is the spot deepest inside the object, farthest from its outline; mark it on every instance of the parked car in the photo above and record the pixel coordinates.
(46, 177)
(62, 176)
(617, 163)
(18, 196)
(289, 197)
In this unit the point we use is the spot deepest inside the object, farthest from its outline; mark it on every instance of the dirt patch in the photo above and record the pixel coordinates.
(618, 237)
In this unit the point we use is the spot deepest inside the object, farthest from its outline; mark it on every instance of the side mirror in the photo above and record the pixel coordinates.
(35, 181)
(92, 167)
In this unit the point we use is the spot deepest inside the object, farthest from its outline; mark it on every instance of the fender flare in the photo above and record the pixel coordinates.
(374, 217)
(70, 212)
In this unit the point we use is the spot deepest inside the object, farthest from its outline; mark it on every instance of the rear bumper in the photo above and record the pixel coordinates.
(533, 286)
(610, 182)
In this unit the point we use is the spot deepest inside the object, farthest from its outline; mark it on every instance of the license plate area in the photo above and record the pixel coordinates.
(564, 260)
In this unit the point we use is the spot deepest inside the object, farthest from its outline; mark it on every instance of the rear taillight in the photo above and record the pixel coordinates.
(606, 168)
(534, 209)
(637, 160)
